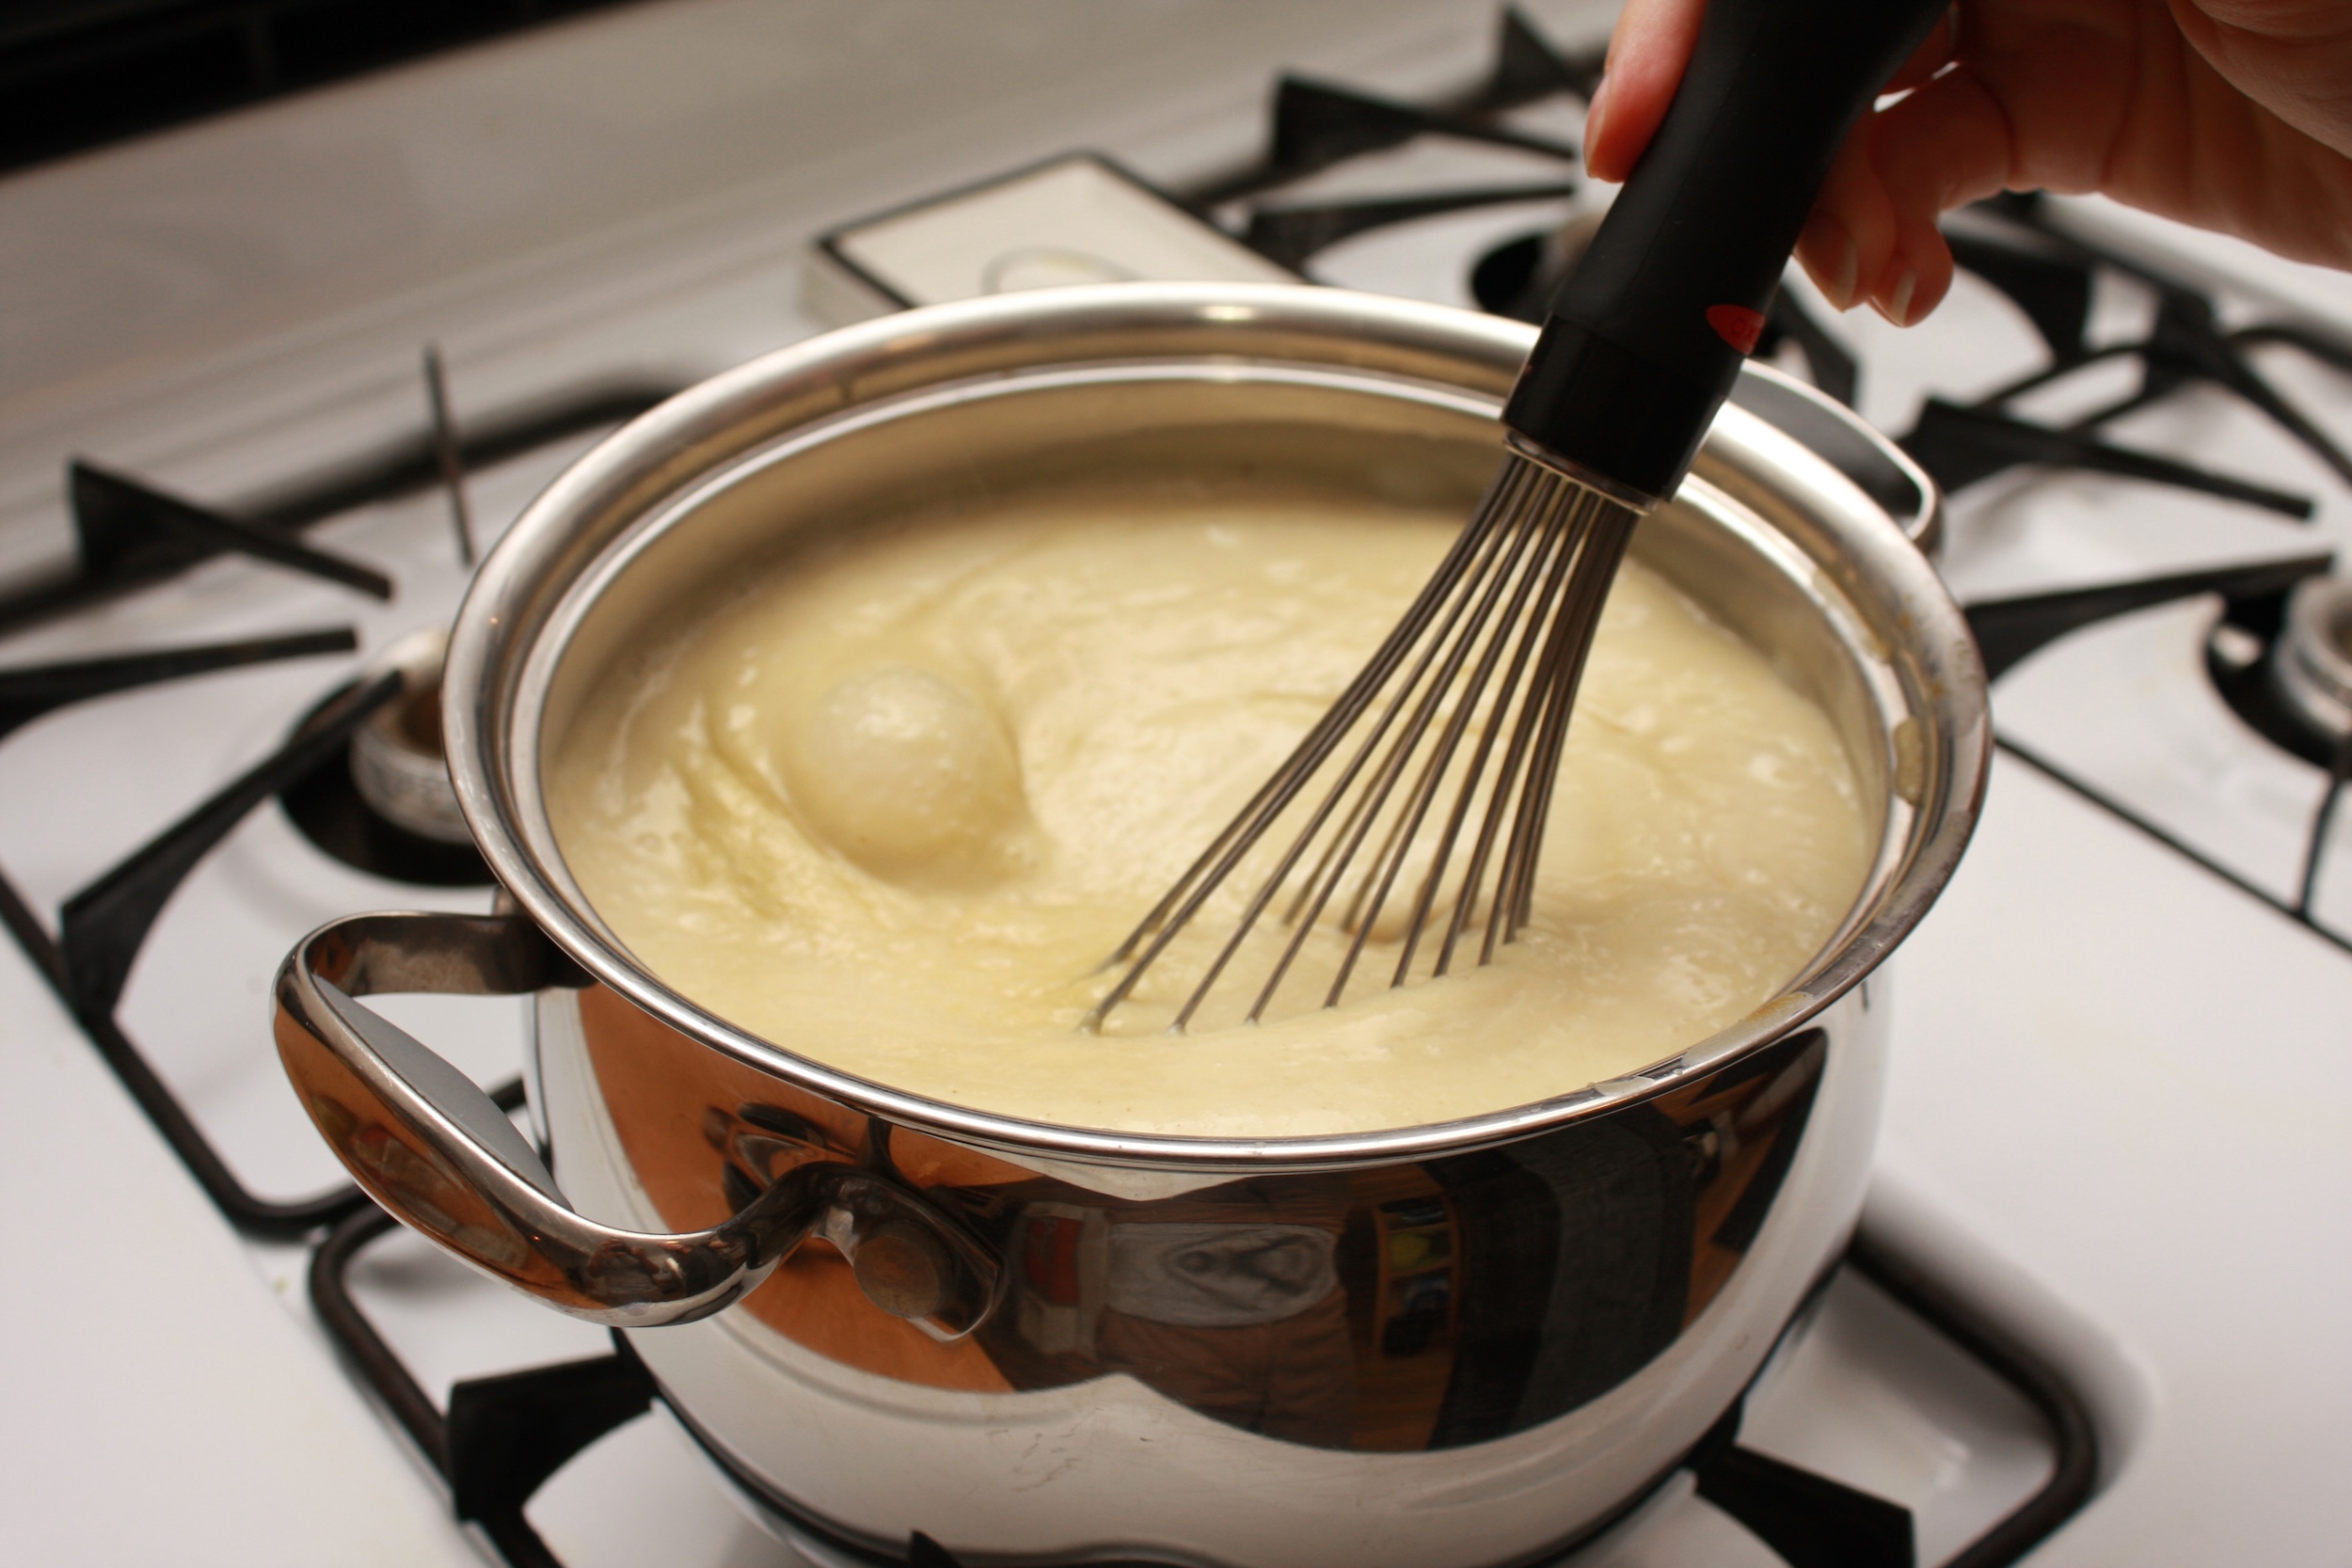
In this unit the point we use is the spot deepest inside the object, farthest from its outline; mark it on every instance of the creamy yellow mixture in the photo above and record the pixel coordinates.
(892, 803)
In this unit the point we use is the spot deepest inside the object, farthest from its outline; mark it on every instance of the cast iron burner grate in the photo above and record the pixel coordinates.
(100, 928)
(2253, 600)
(133, 535)
(503, 1437)
(1317, 125)
(2050, 273)
(2014, 243)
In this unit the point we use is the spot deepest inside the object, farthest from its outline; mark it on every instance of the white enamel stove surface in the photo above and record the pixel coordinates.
(2123, 1092)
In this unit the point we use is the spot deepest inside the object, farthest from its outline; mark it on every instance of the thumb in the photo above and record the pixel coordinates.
(1647, 55)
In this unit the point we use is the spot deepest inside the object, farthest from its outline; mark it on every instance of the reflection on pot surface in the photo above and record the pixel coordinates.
(1411, 1306)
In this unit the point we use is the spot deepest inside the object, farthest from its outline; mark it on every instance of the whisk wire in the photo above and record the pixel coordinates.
(1209, 871)
(1565, 533)
(1517, 594)
(1504, 561)
(1342, 845)
(1511, 782)
(1364, 911)
(1340, 851)
(1588, 589)
(1215, 861)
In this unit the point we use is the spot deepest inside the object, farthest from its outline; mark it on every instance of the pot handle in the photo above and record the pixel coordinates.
(430, 1147)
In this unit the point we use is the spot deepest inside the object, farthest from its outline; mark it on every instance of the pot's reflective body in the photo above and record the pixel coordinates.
(1456, 1360)
(1460, 1344)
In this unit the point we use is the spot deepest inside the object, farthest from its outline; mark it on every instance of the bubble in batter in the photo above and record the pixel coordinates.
(906, 772)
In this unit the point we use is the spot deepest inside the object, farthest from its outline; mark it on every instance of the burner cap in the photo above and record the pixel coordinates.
(383, 803)
(2311, 663)
(396, 760)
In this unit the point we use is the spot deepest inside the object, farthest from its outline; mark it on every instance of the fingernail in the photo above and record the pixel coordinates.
(1897, 307)
(1827, 237)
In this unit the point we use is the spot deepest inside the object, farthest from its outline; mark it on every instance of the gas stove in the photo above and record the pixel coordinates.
(273, 376)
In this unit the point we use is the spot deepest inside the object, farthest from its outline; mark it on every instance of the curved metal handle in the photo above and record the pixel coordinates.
(440, 1157)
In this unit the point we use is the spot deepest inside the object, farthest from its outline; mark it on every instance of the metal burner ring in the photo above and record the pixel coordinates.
(2311, 665)
(396, 760)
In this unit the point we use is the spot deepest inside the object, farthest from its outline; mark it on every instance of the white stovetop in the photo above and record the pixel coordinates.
(2122, 1098)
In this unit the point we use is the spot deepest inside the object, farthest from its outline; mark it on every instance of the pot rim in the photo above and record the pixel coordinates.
(647, 465)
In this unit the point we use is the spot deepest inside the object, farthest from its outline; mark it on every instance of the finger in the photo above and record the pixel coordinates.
(1873, 235)
(1649, 51)
(1856, 216)
(1852, 225)
(1647, 55)
(1947, 145)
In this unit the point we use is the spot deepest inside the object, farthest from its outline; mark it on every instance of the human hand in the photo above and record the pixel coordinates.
(2231, 115)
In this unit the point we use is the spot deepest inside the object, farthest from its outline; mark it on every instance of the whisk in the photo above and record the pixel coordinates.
(1430, 779)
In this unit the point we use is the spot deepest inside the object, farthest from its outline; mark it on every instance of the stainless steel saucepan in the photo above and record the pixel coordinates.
(1458, 1344)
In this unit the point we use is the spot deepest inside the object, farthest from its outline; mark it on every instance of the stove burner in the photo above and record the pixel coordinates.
(2311, 663)
(2284, 663)
(1517, 277)
(396, 760)
(2273, 674)
(2241, 651)
(133, 536)
(382, 802)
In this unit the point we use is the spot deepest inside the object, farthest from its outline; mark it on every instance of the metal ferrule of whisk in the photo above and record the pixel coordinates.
(1427, 786)
(1424, 789)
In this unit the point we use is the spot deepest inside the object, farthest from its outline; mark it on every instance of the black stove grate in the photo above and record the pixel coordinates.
(2050, 273)
(2253, 601)
(101, 927)
(133, 535)
(1315, 125)
(2013, 243)
(2298, 908)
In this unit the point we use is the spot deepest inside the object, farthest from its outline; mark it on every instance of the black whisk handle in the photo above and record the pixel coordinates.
(1646, 335)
